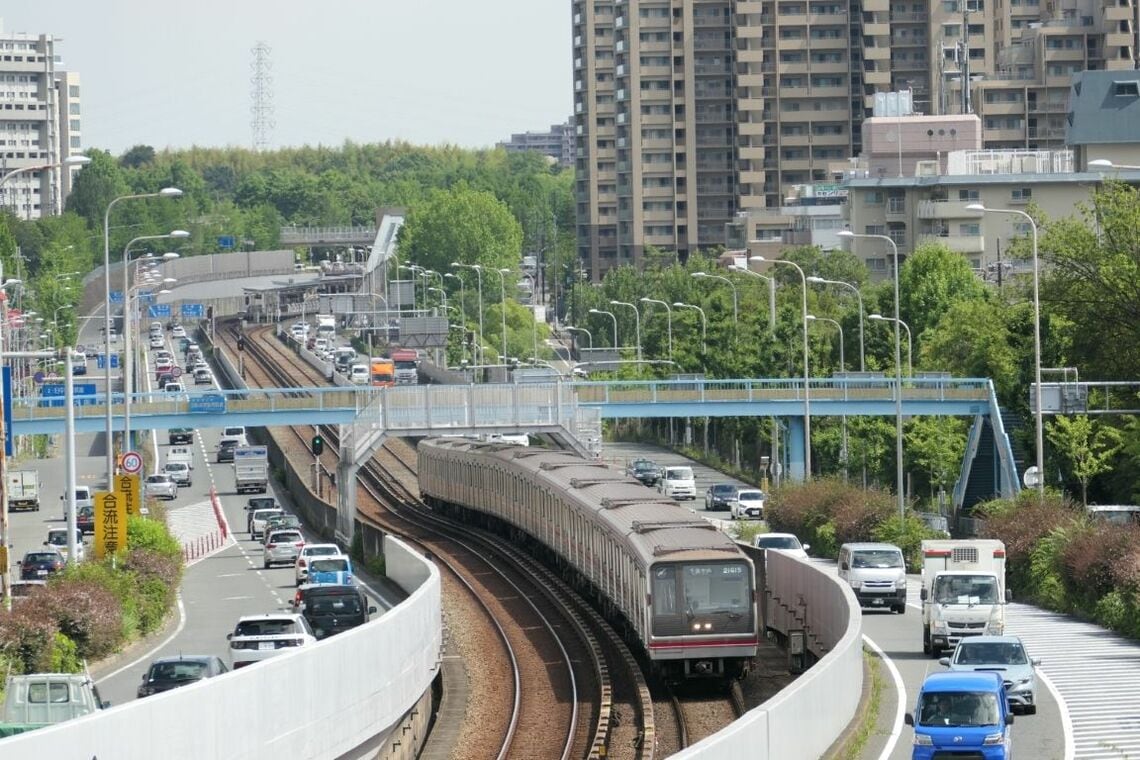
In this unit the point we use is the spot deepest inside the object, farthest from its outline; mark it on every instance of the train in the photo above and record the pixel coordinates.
(680, 589)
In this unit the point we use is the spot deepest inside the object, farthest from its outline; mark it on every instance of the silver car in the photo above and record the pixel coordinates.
(161, 485)
(282, 547)
(1006, 656)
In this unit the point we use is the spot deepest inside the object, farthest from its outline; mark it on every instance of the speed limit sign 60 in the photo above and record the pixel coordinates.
(132, 462)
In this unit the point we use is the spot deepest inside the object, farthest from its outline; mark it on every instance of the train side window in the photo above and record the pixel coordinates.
(664, 591)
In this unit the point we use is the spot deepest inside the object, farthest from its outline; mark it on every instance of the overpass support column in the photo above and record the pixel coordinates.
(795, 443)
(346, 499)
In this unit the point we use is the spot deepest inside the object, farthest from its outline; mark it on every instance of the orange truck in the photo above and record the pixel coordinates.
(383, 372)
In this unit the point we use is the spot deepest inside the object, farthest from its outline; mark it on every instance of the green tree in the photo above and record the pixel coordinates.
(100, 182)
(936, 445)
(465, 225)
(972, 339)
(1088, 448)
(931, 280)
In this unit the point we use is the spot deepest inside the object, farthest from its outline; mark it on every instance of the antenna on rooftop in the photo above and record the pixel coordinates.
(261, 96)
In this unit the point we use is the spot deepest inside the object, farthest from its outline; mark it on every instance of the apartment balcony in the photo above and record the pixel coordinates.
(1003, 135)
(752, 177)
(946, 210)
(751, 128)
(750, 80)
(828, 140)
(748, 104)
(957, 243)
(1050, 105)
(1072, 55)
(1117, 39)
(841, 91)
(749, 32)
(794, 92)
(877, 77)
(795, 164)
(877, 53)
(1002, 108)
(794, 67)
(711, 141)
(829, 43)
(909, 18)
(791, 43)
(1115, 13)
(829, 67)
(828, 19)
(876, 29)
(876, 6)
(707, 22)
(909, 41)
(749, 6)
(753, 152)
(896, 208)
(795, 139)
(1046, 133)
(793, 19)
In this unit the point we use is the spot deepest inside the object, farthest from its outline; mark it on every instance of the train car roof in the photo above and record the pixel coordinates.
(656, 526)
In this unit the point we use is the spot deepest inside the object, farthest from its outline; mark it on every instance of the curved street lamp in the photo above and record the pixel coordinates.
(636, 324)
(589, 336)
(669, 321)
(731, 284)
(771, 281)
(807, 376)
(166, 192)
(704, 323)
(859, 298)
(609, 314)
(479, 352)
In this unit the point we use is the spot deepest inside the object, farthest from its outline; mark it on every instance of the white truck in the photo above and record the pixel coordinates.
(43, 699)
(963, 592)
(183, 454)
(24, 490)
(326, 326)
(251, 469)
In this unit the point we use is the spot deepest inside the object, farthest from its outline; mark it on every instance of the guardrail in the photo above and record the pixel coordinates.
(322, 701)
(801, 597)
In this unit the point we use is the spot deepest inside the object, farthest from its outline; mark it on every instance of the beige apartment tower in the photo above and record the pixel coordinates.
(688, 113)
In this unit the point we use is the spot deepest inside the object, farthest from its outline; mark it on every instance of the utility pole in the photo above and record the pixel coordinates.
(964, 46)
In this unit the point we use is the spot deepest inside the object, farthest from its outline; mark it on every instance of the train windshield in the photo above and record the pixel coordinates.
(711, 591)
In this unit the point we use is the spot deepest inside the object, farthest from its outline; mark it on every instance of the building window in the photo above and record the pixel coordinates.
(873, 198)
(1021, 195)
(875, 229)
(972, 229)
(73, 125)
(968, 195)
(73, 91)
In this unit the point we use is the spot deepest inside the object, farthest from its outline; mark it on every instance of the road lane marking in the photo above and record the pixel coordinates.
(900, 688)
(150, 654)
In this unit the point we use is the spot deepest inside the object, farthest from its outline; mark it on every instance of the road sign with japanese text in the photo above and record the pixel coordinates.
(110, 523)
(127, 491)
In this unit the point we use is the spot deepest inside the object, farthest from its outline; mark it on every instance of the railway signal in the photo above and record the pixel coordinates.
(318, 445)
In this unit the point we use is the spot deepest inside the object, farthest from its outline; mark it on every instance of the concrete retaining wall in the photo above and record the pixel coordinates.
(792, 725)
(360, 683)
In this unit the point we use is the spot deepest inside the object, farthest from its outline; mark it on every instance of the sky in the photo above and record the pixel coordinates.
(429, 72)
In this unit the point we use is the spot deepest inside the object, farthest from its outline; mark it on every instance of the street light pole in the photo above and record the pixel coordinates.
(1039, 419)
(731, 284)
(704, 324)
(669, 321)
(859, 298)
(166, 192)
(839, 327)
(503, 300)
(589, 336)
(479, 352)
(128, 316)
(611, 315)
(636, 324)
(899, 483)
(807, 376)
(771, 292)
(909, 341)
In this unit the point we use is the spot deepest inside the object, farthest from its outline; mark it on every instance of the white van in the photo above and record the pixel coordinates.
(235, 432)
(358, 374)
(677, 482)
(876, 573)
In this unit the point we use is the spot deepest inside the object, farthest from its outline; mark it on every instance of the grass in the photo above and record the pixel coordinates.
(852, 748)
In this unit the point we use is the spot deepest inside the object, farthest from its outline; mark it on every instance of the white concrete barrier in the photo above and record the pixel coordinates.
(806, 717)
(322, 702)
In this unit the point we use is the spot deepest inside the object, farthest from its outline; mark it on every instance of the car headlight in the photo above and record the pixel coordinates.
(855, 582)
(940, 627)
(901, 584)
(922, 740)
(992, 739)
(995, 628)
(1025, 684)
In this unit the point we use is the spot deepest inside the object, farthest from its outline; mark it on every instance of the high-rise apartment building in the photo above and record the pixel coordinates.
(39, 124)
(557, 143)
(690, 112)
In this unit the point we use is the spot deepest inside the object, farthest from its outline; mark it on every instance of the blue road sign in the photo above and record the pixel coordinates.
(207, 403)
(227, 242)
(158, 310)
(193, 311)
(101, 361)
(7, 395)
(146, 297)
(116, 296)
(52, 394)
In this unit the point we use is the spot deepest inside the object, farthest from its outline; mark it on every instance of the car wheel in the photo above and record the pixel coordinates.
(1031, 709)
(266, 564)
(925, 642)
(901, 609)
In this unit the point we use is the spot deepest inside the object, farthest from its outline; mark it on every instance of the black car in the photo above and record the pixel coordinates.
(85, 520)
(168, 673)
(332, 609)
(38, 565)
(164, 378)
(181, 435)
(645, 471)
(719, 495)
(226, 451)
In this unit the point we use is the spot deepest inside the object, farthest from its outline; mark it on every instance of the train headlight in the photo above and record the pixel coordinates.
(698, 627)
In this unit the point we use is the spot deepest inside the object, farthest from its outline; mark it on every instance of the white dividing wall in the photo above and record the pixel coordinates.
(791, 725)
(318, 702)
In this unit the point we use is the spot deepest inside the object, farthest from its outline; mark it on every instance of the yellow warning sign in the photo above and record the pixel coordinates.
(127, 489)
(110, 523)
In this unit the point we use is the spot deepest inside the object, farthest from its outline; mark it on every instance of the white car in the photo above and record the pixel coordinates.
(259, 637)
(308, 551)
(282, 547)
(179, 472)
(237, 432)
(156, 341)
(161, 485)
(178, 332)
(788, 543)
(257, 520)
(748, 503)
(57, 539)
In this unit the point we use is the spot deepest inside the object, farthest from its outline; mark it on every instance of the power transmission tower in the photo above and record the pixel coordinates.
(261, 96)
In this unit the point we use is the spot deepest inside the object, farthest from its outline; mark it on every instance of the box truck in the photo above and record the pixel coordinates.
(963, 592)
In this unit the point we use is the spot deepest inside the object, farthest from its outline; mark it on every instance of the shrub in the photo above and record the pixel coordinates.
(908, 535)
(827, 513)
(88, 613)
(1021, 524)
(27, 636)
(152, 535)
(65, 656)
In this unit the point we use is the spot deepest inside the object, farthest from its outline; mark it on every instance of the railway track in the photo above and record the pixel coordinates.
(518, 594)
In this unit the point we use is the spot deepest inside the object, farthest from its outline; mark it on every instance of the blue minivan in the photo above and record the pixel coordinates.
(334, 569)
(962, 713)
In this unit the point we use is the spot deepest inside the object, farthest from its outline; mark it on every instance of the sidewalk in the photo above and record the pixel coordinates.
(201, 528)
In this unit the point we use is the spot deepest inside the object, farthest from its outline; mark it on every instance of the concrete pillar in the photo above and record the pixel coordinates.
(346, 498)
(795, 446)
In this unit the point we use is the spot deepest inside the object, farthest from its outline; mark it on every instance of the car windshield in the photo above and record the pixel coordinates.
(966, 589)
(265, 628)
(284, 536)
(265, 514)
(990, 653)
(316, 551)
(183, 670)
(679, 473)
(41, 557)
(723, 489)
(341, 604)
(959, 709)
(778, 542)
(750, 496)
(329, 566)
(877, 558)
(57, 538)
(158, 479)
(642, 466)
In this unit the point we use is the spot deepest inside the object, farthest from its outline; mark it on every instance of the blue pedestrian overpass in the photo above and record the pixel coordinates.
(565, 408)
